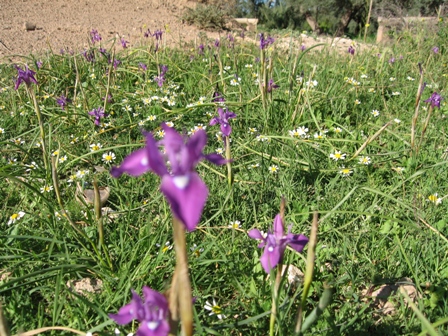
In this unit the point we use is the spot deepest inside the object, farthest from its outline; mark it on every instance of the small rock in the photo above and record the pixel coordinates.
(85, 285)
(28, 26)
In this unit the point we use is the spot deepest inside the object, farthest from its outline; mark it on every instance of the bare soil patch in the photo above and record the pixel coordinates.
(35, 26)
(61, 24)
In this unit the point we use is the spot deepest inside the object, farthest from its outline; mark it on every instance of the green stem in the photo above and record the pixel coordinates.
(41, 127)
(229, 163)
(182, 290)
(308, 272)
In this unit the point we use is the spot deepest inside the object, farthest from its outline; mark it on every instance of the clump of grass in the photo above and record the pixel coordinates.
(206, 17)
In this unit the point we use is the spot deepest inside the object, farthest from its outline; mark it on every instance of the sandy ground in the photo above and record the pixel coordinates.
(66, 23)
(61, 24)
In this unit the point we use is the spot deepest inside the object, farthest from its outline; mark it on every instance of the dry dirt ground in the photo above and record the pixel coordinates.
(66, 24)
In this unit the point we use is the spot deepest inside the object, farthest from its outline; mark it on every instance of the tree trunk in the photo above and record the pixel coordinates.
(312, 22)
(343, 22)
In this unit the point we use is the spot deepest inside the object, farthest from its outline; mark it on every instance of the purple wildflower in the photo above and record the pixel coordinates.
(124, 43)
(435, 50)
(104, 52)
(25, 76)
(272, 85)
(98, 114)
(223, 120)
(392, 60)
(183, 188)
(434, 100)
(265, 42)
(89, 55)
(147, 33)
(116, 63)
(95, 36)
(62, 51)
(218, 97)
(158, 34)
(152, 313)
(143, 66)
(62, 101)
(351, 50)
(39, 64)
(201, 49)
(302, 47)
(161, 78)
(275, 243)
(217, 43)
(109, 98)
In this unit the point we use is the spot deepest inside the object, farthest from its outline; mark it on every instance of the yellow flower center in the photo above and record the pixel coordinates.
(216, 309)
(433, 198)
(14, 216)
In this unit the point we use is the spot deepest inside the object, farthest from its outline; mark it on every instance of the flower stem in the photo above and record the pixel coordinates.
(425, 126)
(182, 287)
(41, 126)
(229, 164)
(308, 272)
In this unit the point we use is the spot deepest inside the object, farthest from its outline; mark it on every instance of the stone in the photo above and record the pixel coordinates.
(28, 26)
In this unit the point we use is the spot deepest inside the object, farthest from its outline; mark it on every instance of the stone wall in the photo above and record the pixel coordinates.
(412, 23)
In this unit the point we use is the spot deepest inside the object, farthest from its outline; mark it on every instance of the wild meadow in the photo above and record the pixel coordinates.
(108, 178)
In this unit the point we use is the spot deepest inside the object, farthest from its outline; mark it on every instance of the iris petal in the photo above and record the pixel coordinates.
(186, 203)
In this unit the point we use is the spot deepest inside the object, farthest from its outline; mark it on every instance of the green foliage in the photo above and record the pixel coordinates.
(378, 222)
(206, 17)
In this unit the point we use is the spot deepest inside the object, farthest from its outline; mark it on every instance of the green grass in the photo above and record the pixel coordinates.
(376, 225)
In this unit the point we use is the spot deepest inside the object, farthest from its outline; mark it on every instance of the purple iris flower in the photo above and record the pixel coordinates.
(39, 64)
(152, 313)
(351, 50)
(275, 243)
(302, 47)
(147, 33)
(435, 50)
(265, 42)
(158, 34)
(116, 63)
(124, 43)
(109, 98)
(217, 43)
(223, 120)
(89, 55)
(24, 76)
(201, 49)
(183, 188)
(95, 36)
(434, 100)
(218, 97)
(98, 113)
(161, 78)
(104, 52)
(272, 85)
(143, 66)
(62, 101)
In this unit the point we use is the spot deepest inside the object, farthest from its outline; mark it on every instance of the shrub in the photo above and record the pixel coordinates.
(206, 16)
